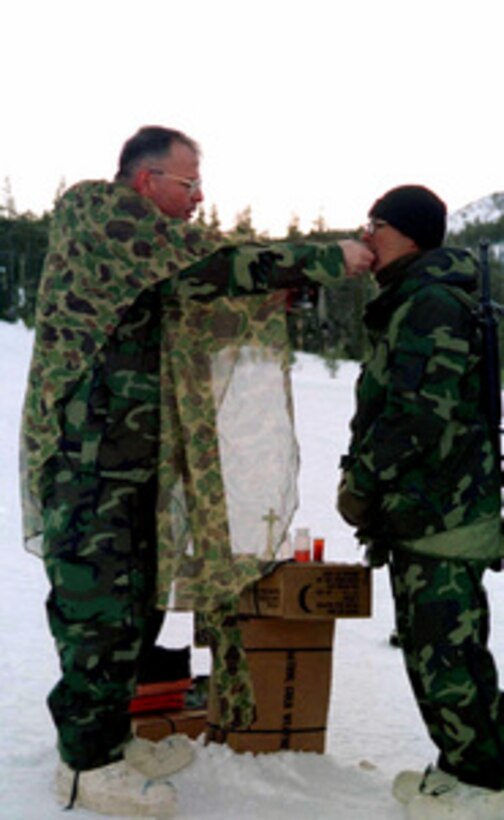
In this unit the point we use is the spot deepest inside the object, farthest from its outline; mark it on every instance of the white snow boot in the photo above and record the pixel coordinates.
(408, 784)
(461, 803)
(159, 759)
(116, 789)
(436, 795)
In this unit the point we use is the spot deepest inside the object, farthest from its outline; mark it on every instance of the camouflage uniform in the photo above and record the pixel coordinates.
(139, 319)
(421, 459)
(443, 628)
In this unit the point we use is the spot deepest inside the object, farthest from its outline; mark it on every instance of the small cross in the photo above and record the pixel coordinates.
(271, 518)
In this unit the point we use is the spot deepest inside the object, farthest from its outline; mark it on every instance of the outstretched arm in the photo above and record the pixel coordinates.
(256, 268)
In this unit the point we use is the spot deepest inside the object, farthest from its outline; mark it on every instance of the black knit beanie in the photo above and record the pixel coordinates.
(415, 212)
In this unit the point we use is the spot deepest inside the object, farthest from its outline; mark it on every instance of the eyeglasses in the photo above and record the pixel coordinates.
(192, 185)
(374, 225)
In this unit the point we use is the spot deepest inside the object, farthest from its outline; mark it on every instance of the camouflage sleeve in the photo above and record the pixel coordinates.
(429, 361)
(256, 268)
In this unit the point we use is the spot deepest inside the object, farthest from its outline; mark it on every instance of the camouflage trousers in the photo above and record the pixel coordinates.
(443, 628)
(100, 557)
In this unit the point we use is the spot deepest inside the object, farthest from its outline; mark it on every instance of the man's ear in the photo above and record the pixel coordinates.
(141, 181)
(413, 247)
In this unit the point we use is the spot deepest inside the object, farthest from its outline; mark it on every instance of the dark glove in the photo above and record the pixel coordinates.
(355, 509)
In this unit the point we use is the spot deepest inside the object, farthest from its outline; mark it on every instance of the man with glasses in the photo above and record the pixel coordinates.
(170, 178)
(143, 319)
(421, 485)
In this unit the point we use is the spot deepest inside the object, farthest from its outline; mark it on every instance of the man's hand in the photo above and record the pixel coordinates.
(358, 258)
(354, 509)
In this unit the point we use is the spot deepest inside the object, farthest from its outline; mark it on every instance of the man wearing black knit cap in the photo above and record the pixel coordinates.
(421, 485)
(416, 213)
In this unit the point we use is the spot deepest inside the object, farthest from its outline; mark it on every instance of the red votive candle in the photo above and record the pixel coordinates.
(318, 549)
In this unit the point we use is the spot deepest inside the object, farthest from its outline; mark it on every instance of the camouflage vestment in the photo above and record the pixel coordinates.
(158, 409)
(421, 457)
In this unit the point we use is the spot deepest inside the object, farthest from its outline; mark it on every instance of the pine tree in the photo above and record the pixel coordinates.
(9, 204)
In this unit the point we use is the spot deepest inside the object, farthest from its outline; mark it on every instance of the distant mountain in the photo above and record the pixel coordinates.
(487, 209)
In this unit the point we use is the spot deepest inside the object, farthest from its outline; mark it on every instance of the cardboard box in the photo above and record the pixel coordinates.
(291, 664)
(310, 592)
(190, 722)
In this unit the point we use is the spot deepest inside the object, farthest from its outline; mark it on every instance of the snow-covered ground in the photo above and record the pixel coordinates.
(374, 729)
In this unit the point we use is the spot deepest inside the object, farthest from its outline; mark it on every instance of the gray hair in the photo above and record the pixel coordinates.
(151, 141)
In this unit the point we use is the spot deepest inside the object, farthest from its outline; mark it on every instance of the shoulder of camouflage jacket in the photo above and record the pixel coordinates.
(449, 266)
(107, 244)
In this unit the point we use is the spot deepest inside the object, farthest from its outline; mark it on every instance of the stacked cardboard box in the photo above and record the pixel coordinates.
(190, 722)
(310, 592)
(290, 664)
(288, 621)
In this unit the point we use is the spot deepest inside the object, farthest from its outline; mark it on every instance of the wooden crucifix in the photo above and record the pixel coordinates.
(270, 518)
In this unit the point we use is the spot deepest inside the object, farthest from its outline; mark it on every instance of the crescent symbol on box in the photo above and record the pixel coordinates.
(303, 593)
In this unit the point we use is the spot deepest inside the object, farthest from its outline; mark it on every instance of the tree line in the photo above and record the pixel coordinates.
(23, 245)
(327, 322)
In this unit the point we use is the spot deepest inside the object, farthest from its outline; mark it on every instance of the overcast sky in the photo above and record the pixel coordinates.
(301, 107)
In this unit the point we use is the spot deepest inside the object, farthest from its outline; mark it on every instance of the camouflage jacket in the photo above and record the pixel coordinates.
(151, 335)
(421, 451)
